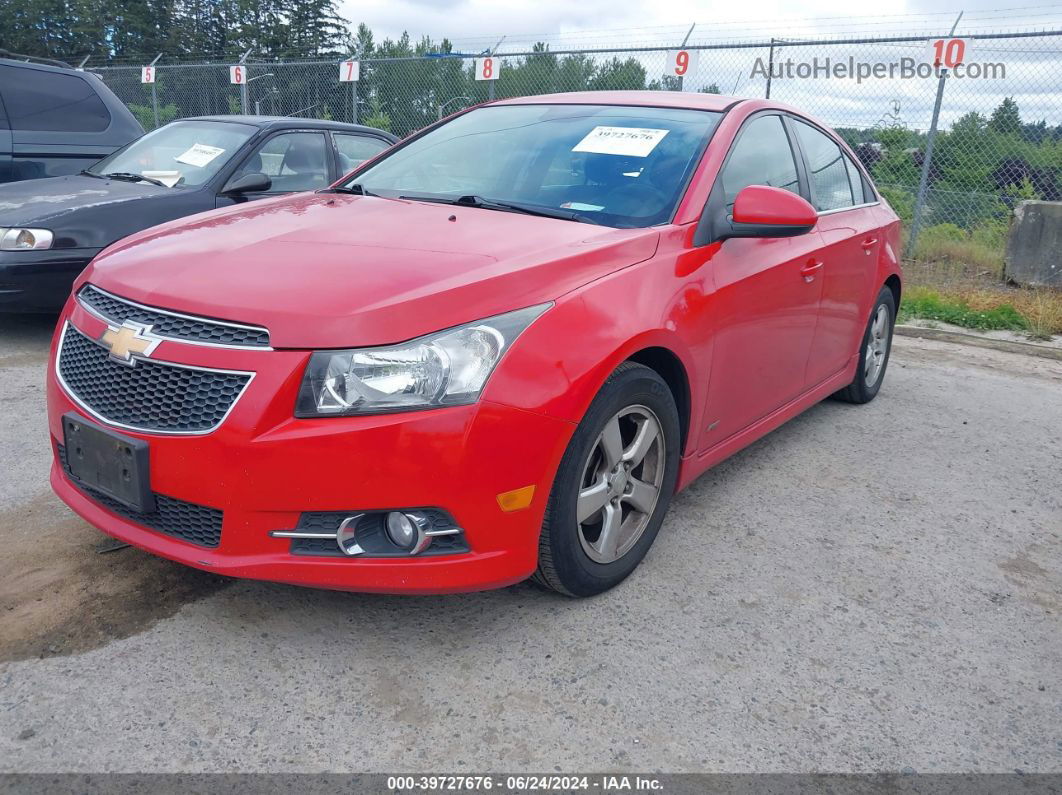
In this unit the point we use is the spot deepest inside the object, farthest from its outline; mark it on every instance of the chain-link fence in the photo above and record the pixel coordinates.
(993, 125)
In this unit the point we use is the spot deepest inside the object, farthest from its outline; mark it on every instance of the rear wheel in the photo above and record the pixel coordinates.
(874, 352)
(613, 486)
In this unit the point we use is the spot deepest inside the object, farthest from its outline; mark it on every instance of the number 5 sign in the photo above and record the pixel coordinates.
(349, 71)
(147, 74)
(682, 62)
(236, 75)
(487, 68)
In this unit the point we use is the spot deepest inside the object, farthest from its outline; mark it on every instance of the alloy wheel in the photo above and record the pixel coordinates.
(877, 346)
(621, 484)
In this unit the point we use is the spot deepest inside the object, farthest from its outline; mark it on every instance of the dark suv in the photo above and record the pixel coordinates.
(56, 121)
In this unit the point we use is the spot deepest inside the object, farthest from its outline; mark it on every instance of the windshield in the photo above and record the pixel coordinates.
(616, 166)
(182, 153)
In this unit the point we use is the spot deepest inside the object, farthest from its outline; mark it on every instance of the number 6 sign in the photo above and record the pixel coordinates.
(487, 68)
(682, 62)
(236, 75)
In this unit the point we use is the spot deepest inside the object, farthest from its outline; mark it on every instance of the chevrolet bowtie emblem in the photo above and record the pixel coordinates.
(129, 340)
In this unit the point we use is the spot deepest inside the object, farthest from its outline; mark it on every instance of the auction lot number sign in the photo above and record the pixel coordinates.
(682, 62)
(487, 68)
(948, 53)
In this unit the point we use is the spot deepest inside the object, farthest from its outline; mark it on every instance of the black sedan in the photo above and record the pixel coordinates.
(51, 228)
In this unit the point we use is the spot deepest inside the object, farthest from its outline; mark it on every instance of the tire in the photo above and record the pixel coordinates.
(864, 387)
(571, 560)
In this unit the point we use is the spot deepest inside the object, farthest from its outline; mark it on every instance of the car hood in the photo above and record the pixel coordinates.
(330, 271)
(87, 212)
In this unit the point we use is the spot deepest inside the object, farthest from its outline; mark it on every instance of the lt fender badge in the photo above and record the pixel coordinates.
(129, 340)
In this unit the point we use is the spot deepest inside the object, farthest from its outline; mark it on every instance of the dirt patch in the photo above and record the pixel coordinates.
(59, 595)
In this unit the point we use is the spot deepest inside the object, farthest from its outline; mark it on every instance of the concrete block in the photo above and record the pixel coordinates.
(1034, 245)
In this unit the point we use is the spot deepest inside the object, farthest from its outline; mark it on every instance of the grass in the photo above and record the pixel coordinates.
(930, 304)
(956, 277)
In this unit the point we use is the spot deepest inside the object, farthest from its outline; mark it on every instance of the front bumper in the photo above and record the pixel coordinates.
(263, 468)
(39, 281)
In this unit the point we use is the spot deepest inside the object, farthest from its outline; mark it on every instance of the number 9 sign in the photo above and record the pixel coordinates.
(487, 68)
(682, 62)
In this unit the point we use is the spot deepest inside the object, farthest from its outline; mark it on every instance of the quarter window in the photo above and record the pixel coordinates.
(831, 188)
(761, 156)
(52, 101)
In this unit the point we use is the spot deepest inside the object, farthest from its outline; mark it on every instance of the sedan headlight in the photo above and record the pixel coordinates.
(19, 239)
(447, 368)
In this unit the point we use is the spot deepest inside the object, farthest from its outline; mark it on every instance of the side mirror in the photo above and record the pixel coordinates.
(248, 183)
(762, 211)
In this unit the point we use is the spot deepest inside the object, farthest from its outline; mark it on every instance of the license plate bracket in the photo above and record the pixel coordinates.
(108, 462)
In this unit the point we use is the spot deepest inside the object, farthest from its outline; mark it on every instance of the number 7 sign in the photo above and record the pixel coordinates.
(487, 68)
(349, 71)
(682, 62)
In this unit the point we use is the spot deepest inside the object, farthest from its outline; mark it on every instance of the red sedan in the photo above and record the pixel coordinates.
(494, 352)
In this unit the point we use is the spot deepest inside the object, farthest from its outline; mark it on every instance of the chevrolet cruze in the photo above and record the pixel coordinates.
(493, 352)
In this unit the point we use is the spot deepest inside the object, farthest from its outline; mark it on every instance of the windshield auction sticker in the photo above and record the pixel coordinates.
(199, 155)
(630, 141)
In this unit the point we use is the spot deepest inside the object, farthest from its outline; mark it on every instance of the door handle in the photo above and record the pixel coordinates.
(809, 270)
(869, 244)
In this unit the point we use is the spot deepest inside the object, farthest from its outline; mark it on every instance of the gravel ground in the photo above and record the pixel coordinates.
(868, 588)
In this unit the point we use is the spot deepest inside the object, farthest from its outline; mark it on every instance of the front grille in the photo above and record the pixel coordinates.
(196, 524)
(370, 535)
(173, 326)
(150, 396)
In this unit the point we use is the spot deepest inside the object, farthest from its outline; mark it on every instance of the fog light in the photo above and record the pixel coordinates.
(401, 530)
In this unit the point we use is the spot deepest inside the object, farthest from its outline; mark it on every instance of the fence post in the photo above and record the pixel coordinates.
(490, 83)
(770, 68)
(154, 93)
(682, 47)
(927, 159)
(243, 85)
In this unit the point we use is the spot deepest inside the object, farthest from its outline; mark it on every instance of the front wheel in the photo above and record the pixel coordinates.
(613, 485)
(874, 351)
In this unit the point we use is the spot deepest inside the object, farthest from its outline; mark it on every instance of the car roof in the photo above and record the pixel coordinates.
(290, 122)
(658, 99)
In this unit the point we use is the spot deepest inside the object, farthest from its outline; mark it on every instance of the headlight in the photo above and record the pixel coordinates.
(447, 368)
(18, 239)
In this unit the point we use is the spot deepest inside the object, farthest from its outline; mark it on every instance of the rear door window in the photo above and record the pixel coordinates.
(51, 101)
(356, 149)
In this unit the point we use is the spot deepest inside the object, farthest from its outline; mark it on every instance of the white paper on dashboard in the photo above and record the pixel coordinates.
(630, 141)
(167, 178)
(199, 155)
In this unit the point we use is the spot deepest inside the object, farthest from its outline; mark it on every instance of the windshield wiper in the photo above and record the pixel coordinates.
(130, 177)
(356, 190)
(472, 200)
(85, 172)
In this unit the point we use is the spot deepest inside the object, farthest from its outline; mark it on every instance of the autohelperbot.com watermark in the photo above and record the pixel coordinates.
(852, 68)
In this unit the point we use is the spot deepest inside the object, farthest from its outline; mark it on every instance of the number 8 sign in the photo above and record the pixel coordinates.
(682, 62)
(487, 68)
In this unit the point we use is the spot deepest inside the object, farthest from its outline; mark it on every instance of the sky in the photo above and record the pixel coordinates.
(586, 21)
(1032, 65)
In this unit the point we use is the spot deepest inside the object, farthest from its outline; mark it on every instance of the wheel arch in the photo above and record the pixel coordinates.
(666, 363)
(893, 283)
